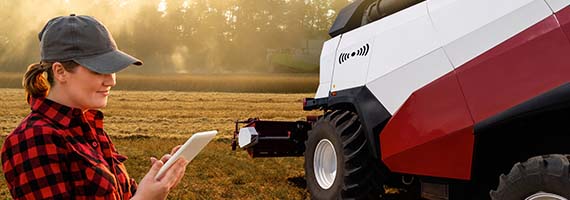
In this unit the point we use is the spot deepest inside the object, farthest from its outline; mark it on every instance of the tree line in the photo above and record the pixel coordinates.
(177, 36)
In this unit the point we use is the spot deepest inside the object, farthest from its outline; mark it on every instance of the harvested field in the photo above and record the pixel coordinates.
(149, 123)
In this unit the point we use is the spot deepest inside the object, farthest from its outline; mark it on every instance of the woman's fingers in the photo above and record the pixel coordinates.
(175, 149)
(176, 172)
(156, 165)
(181, 176)
(165, 158)
(149, 187)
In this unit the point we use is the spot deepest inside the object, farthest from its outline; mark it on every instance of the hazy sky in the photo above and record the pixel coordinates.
(181, 35)
(21, 20)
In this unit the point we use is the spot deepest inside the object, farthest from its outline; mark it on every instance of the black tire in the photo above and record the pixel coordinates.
(357, 173)
(547, 173)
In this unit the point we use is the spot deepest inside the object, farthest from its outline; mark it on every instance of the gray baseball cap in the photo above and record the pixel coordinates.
(84, 40)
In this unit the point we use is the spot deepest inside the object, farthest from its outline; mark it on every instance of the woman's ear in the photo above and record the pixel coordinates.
(59, 73)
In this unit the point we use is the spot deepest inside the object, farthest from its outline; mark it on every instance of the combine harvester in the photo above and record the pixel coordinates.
(445, 99)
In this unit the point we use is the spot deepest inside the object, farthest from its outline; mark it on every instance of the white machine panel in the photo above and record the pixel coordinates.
(410, 36)
(557, 5)
(388, 44)
(477, 26)
(327, 62)
(395, 87)
(351, 67)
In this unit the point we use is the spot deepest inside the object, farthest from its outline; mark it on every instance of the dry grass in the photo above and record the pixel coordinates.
(145, 123)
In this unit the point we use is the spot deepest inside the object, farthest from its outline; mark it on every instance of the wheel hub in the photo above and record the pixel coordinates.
(324, 164)
(545, 196)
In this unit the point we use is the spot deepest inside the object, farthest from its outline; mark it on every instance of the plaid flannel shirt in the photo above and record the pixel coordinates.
(58, 152)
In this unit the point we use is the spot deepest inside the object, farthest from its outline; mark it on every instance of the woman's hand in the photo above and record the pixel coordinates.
(167, 156)
(151, 188)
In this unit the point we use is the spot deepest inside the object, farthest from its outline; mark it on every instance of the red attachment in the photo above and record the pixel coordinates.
(276, 138)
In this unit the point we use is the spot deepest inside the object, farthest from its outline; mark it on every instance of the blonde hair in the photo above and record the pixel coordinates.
(39, 78)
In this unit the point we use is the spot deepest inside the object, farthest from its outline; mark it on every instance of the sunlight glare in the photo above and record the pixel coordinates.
(162, 6)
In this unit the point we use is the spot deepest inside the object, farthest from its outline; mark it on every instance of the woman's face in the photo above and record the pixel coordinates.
(87, 89)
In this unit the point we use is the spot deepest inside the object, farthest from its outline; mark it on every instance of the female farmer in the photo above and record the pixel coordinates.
(60, 150)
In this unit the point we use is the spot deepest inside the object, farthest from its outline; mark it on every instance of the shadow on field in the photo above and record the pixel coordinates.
(298, 181)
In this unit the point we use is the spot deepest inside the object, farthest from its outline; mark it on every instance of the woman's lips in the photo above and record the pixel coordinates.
(104, 93)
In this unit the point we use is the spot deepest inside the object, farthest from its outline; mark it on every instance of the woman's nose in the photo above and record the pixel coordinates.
(110, 80)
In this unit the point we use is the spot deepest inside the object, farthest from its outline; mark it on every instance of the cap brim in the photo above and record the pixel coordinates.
(108, 63)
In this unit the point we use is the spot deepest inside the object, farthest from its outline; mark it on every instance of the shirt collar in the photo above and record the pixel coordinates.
(62, 114)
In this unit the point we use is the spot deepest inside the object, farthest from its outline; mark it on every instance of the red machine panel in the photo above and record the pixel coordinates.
(532, 62)
(563, 17)
(431, 134)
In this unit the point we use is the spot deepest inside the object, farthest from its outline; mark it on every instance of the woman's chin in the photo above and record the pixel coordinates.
(98, 105)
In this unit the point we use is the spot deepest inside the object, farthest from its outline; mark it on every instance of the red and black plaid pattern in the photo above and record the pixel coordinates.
(58, 152)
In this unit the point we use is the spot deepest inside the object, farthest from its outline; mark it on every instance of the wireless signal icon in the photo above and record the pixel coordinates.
(363, 51)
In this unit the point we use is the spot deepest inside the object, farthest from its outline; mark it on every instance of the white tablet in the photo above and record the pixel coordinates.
(188, 150)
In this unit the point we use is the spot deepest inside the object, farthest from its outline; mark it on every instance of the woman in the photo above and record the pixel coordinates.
(60, 150)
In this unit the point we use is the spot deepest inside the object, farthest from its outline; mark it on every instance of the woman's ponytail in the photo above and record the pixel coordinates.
(35, 82)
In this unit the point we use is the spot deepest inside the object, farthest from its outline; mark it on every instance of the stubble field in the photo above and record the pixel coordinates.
(150, 123)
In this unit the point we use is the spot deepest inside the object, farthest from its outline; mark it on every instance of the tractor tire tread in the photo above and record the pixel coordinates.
(546, 173)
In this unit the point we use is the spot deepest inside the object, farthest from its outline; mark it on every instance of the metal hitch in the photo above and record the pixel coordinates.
(271, 138)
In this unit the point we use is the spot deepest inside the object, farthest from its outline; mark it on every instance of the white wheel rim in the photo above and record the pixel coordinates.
(545, 196)
(324, 163)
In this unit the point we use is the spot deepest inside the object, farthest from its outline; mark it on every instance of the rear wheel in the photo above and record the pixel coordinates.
(338, 163)
(539, 178)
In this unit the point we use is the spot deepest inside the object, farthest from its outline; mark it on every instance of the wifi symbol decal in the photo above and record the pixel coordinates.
(363, 51)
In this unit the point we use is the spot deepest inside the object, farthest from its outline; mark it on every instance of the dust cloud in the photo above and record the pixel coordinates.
(20, 22)
(183, 36)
